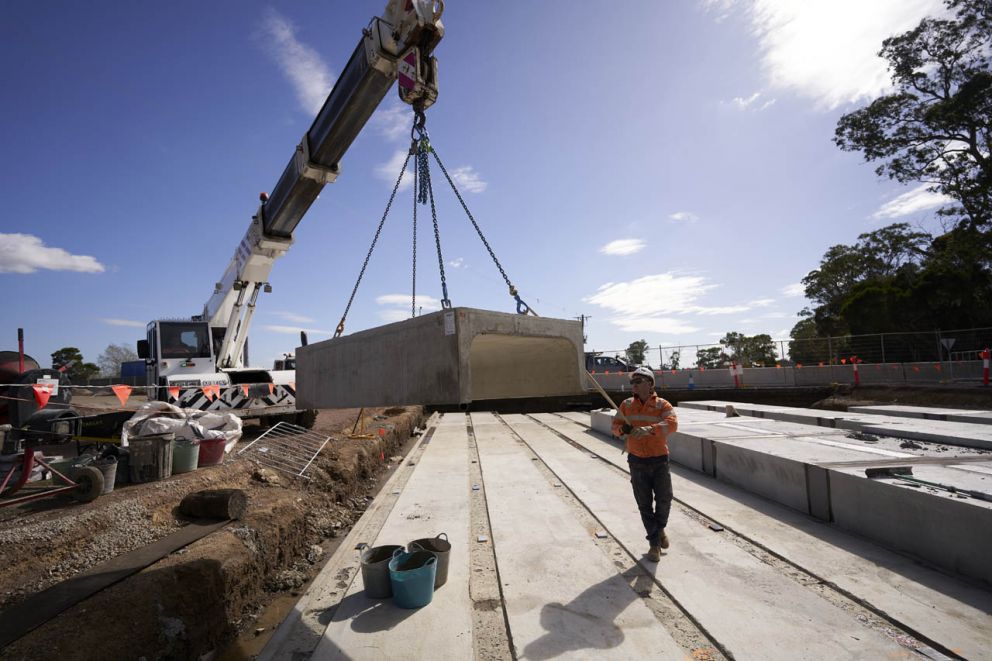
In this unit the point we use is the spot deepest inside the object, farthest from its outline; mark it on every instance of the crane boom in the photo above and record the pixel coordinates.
(397, 45)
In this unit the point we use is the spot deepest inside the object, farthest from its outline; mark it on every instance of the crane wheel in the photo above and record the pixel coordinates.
(90, 481)
(306, 418)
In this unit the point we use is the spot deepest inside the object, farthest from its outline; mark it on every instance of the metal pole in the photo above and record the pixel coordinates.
(881, 338)
(830, 351)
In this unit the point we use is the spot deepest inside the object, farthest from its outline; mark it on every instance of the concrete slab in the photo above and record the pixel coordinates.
(949, 611)
(927, 413)
(449, 357)
(563, 596)
(435, 500)
(951, 433)
(706, 572)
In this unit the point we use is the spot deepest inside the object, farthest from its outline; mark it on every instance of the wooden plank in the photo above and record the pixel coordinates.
(41, 607)
(563, 596)
(435, 500)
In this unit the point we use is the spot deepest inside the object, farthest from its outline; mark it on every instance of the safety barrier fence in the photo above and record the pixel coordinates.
(44, 390)
(962, 372)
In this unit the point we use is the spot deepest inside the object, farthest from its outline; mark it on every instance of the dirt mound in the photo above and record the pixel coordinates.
(197, 600)
(938, 397)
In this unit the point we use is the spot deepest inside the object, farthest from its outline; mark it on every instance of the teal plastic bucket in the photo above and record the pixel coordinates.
(412, 578)
(185, 456)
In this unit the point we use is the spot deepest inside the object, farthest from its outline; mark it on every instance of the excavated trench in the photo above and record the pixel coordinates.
(221, 595)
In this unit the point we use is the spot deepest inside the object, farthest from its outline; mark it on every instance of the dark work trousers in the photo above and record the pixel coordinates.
(652, 483)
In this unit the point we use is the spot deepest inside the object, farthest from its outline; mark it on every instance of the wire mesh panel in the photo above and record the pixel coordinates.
(286, 447)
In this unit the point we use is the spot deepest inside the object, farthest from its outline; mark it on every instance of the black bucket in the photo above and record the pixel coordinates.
(375, 569)
(439, 547)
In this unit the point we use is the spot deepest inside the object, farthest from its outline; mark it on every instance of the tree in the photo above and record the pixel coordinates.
(936, 127)
(70, 361)
(711, 358)
(753, 351)
(635, 352)
(878, 255)
(112, 357)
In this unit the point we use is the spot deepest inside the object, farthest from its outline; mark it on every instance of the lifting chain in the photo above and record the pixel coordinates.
(340, 329)
(426, 192)
(413, 295)
(522, 308)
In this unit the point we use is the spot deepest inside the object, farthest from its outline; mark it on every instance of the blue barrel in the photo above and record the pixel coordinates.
(412, 578)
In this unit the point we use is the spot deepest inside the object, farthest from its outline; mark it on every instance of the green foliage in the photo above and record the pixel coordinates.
(74, 366)
(936, 127)
(635, 352)
(112, 357)
(711, 358)
(749, 351)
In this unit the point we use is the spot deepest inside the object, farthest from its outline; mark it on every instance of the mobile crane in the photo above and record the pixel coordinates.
(209, 349)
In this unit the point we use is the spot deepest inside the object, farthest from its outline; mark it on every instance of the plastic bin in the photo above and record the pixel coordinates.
(375, 569)
(411, 576)
(151, 457)
(212, 451)
(107, 466)
(185, 456)
(439, 547)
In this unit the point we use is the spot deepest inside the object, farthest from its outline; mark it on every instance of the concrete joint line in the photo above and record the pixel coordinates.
(613, 538)
(938, 650)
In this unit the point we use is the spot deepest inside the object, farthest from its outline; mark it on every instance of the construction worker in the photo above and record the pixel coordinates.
(650, 419)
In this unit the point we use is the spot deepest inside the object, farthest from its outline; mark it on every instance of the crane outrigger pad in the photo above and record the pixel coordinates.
(451, 357)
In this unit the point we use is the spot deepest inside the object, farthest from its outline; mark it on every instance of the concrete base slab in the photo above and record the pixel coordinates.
(706, 572)
(944, 609)
(927, 413)
(449, 357)
(963, 434)
(434, 500)
(564, 598)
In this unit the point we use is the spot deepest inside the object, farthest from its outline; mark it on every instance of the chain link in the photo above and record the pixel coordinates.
(340, 329)
(426, 175)
(522, 307)
(413, 297)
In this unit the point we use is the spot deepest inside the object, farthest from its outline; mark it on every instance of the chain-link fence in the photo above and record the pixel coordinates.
(900, 347)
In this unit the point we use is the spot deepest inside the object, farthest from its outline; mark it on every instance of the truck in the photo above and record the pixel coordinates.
(210, 348)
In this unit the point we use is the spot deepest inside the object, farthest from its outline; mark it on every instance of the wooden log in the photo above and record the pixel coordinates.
(215, 504)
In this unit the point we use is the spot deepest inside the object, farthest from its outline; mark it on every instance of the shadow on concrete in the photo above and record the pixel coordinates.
(370, 615)
(586, 622)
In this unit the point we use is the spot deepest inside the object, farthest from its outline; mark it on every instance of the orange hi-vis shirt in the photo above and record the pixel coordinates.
(642, 414)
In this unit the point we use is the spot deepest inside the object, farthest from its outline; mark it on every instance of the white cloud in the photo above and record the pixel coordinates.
(761, 302)
(293, 317)
(311, 78)
(398, 306)
(392, 121)
(390, 170)
(797, 289)
(912, 201)
(124, 322)
(827, 49)
(292, 330)
(650, 299)
(25, 253)
(457, 263)
(467, 179)
(776, 315)
(684, 217)
(623, 247)
(654, 325)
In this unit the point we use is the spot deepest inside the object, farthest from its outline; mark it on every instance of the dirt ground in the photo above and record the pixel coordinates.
(940, 397)
(203, 601)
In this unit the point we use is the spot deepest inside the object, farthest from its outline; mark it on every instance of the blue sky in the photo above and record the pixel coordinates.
(665, 168)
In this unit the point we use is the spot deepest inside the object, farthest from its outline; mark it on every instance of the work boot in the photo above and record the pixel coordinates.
(663, 541)
(654, 554)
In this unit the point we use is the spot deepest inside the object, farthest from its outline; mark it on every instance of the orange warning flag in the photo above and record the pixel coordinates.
(843, 361)
(208, 391)
(292, 385)
(936, 367)
(244, 389)
(174, 392)
(272, 388)
(821, 364)
(216, 391)
(42, 393)
(916, 369)
(799, 366)
(123, 392)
